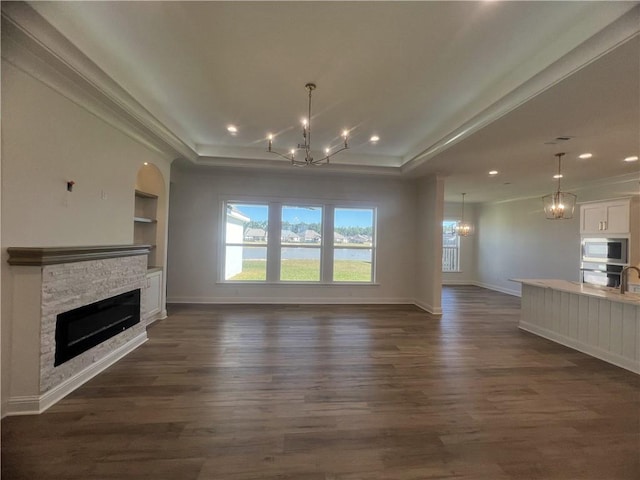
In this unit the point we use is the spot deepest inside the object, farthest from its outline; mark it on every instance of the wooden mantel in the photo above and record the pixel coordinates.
(39, 256)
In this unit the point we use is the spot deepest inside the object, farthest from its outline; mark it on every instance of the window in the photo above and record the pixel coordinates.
(450, 247)
(301, 243)
(353, 244)
(274, 242)
(246, 235)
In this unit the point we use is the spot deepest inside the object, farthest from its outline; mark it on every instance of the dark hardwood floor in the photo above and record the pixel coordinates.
(340, 393)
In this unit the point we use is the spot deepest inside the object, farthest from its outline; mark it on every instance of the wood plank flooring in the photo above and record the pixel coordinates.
(340, 393)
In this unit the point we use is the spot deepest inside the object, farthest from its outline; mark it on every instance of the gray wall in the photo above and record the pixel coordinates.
(194, 235)
(430, 207)
(515, 240)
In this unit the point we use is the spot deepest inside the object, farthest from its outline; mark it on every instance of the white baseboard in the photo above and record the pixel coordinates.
(35, 404)
(458, 282)
(427, 308)
(158, 316)
(497, 288)
(292, 301)
(617, 360)
(306, 301)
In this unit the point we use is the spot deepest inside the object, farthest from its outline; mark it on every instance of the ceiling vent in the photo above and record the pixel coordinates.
(558, 140)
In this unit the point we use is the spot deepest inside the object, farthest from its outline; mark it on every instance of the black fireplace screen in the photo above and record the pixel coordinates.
(85, 327)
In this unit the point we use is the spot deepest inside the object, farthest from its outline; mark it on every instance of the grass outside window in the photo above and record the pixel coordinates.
(306, 271)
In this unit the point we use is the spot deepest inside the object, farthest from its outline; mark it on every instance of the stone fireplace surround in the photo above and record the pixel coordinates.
(50, 281)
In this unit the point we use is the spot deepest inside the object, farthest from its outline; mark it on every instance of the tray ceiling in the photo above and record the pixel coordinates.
(454, 88)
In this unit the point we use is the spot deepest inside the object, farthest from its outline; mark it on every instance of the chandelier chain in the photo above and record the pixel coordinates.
(559, 205)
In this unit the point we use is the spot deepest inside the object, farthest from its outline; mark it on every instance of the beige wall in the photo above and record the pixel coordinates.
(46, 141)
(194, 233)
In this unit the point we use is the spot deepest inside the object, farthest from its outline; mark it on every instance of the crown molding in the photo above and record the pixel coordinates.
(631, 180)
(33, 46)
(346, 158)
(281, 165)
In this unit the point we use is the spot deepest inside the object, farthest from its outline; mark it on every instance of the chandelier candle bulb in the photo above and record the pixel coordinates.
(462, 228)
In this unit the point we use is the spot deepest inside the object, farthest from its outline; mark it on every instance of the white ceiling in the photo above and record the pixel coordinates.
(455, 88)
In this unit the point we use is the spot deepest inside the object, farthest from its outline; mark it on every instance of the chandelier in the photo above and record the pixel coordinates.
(462, 228)
(306, 145)
(559, 205)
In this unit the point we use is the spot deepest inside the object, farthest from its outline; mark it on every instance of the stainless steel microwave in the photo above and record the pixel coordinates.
(608, 250)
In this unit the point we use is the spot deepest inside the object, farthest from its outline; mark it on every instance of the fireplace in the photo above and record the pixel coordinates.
(63, 333)
(82, 328)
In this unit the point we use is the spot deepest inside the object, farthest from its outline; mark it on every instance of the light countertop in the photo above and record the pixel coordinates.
(612, 294)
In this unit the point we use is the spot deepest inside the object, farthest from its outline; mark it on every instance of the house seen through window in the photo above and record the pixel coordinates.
(246, 242)
(353, 249)
(301, 243)
(256, 251)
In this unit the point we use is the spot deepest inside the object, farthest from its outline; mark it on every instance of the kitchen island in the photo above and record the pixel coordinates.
(598, 321)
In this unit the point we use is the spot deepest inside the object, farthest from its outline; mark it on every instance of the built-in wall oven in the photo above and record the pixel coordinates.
(609, 250)
(603, 260)
(602, 274)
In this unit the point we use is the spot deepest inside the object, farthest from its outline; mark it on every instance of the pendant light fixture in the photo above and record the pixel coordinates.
(462, 228)
(308, 159)
(559, 205)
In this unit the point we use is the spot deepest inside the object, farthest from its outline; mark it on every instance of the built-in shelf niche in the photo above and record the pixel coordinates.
(145, 222)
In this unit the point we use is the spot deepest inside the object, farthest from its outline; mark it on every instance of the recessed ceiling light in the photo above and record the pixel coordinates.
(146, 163)
(374, 138)
(232, 129)
(631, 159)
(493, 172)
(557, 175)
(585, 155)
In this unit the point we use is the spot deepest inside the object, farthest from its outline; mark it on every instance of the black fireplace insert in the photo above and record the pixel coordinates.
(85, 327)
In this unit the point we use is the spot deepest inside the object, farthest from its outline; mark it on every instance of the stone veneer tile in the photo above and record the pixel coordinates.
(72, 285)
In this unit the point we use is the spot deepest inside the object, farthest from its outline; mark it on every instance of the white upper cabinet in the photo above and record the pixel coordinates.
(605, 218)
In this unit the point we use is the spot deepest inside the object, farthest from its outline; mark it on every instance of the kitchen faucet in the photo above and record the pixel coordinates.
(624, 277)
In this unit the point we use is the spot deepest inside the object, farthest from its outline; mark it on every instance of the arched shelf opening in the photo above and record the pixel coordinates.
(150, 212)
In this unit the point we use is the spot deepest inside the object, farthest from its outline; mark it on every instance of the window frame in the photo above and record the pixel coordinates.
(458, 247)
(372, 247)
(225, 244)
(320, 247)
(274, 244)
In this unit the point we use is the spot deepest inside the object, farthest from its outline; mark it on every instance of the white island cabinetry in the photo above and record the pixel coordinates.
(597, 321)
